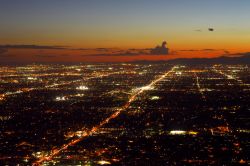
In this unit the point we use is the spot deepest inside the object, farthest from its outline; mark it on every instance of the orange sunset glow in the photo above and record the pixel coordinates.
(121, 31)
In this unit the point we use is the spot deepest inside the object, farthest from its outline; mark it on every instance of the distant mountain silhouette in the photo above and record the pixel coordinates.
(242, 59)
(237, 59)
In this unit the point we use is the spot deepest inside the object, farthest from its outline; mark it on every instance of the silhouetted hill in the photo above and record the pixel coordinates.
(240, 59)
(244, 59)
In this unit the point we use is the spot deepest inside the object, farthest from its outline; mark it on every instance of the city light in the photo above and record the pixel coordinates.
(60, 98)
(102, 162)
(146, 88)
(82, 87)
(177, 132)
(101, 116)
(155, 98)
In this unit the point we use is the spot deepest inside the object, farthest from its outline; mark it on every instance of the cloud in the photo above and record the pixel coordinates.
(160, 50)
(3, 51)
(95, 49)
(210, 49)
(140, 49)
(127, 53)
(205, 49)
(163, 50)
(32, 47)
(191, 50)
(99, 51)
(104, 49)
(3, 54)
(211, 29)
(64, 55)
(45, 56)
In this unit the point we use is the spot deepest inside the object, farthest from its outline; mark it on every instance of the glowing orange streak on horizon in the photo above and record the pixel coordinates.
(96, 128)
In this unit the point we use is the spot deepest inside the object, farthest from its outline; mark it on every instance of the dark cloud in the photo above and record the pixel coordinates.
(104, 49)
(31, 47)
(81, 49)
(191, 50)
(160, 50)
(64, 55)
(210, 49)
(140, 49)
(163, 50)
(7, 56)
(3, 54)
(3, 51)
(127, 53)
(205, 49)
(46, 56)
(95, 49)
(211, 29)
(50, 55)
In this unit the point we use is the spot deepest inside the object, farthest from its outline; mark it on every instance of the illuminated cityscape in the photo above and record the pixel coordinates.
(124, 114)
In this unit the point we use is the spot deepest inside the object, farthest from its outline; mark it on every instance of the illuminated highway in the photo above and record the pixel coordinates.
(199, 87)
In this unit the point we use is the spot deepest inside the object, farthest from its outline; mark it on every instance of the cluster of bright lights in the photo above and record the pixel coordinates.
(182, 132)
(178, 73)
(155, 98)
(103, 162)
(80, 133)
(177, 132)
(2, 97)
(31, 78)
(39, 154)
(79, 95)
(82, 87)
(230, 77)
(146, 88)
(244, 131)
(60, 98)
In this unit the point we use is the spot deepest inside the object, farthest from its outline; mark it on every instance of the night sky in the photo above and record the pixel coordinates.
(121, 30)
